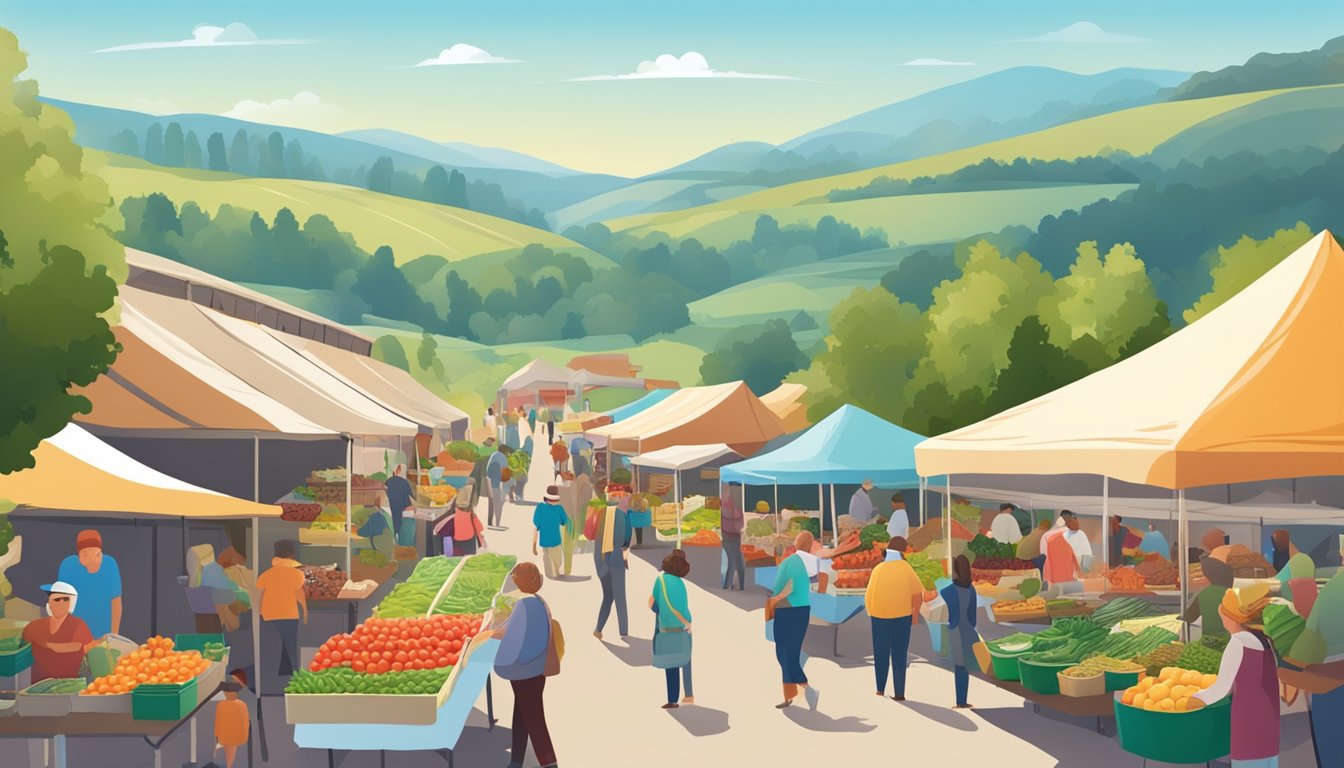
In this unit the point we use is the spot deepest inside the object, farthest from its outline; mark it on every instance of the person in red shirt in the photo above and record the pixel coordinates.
(59, 639)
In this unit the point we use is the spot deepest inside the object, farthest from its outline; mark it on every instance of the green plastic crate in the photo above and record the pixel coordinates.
(1041, 678)
(1119, 681)
(1200, 736)
(12, 664)
(163, 702)
(1005, 666)
(191, 642)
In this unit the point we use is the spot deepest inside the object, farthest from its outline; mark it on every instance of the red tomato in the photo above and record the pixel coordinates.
(358, 666)
(401, 656)
(397, 666)
(452, 659)
(457, 645)
(383, 668)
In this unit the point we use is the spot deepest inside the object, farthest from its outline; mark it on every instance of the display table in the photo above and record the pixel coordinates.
(440, 737)
(350, 605)
(1101, 706)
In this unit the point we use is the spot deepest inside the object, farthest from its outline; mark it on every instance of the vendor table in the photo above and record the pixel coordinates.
(350, 605)
(830, 610)
(99, 725)
(1101, 706)
(440, 737)
(764, 576)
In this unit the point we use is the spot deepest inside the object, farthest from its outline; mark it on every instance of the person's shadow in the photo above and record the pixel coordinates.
(637, 652)
(824, 723)
(700, 721)
(949, 717)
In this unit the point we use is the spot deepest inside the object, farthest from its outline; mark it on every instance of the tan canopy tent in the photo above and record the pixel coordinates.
(77, 472)
(723, 413)
(786, 402)
(1252, 391)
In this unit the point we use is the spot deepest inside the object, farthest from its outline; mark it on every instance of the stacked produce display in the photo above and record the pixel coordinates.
(1037, 659)
(1204, 655)
(926, 568)
(1124, 579)
(1169, 691)
(322, 582)
(155, 662)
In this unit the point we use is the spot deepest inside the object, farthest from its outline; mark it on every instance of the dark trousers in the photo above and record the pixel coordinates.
(790, 631)
(613, 593)
(962, 679)
(288, 631)
(529, 721)
(675, 676)
(550, 432)
(1039, 562)
(732, 547)
(891, 646)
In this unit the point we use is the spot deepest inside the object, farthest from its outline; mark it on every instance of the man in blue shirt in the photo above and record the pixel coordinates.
(549, 518)
(494, 485)
(579, 450)
(98, 580)
(399, 498)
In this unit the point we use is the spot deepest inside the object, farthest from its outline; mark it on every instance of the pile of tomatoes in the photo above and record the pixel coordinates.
(379, 645)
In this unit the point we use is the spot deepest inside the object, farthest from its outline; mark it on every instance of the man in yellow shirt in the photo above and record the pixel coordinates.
(892, 599)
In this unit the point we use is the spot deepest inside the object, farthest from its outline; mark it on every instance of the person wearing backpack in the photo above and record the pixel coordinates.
(529, 652)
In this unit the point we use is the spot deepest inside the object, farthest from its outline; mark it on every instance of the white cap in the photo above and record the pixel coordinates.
(60, 588)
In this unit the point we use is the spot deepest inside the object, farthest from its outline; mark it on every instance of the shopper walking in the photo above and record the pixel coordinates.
(529, 652)
(460, 532)
(491, 423)
(511, 421)
(961, 600)
(672, 638)
(611, 558)
(892, 599)
(790, 607)
(548, 519)
(283, 603)
(494, 483)
(731, 525)
(575, 493)
(559, 456)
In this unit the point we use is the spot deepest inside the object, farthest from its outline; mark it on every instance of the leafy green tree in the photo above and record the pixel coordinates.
(1106, 299)
(389, 350)
(174, 146)
(387, 292)
(58, 267)
(760, 355)
(573, 327)
(457, 190)
(436, 185)
(380, 175)
(1243, 263)
(125, 142)
(296, 163)
(191, 153)
(463, 302)
(154, 143)
(1035, 367)
(240, 159)
(216, 158)
(427, 352)
(914, 279)
(271, 164)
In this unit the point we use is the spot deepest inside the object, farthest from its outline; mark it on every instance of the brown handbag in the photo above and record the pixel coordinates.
(770, 608)
(555, 645)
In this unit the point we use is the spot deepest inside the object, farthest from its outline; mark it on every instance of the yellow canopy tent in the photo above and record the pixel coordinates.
(786, 402)
(722, 413)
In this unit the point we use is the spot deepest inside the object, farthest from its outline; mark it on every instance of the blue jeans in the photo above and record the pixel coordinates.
(891, 645)
(790, 631)
(678, 678)
(962, 678)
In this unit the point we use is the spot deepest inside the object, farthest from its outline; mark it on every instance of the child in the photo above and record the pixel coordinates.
(232, 722)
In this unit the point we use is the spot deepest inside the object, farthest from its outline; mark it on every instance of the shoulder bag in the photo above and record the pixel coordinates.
(555, 644)
(671, 647)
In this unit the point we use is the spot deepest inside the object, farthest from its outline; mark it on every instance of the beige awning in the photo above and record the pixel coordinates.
(723, 413)
(786, 402)
(77, 472)
(1252, 391)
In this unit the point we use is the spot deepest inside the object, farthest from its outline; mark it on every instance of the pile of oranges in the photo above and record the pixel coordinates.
(1169, 691)
(154, 662)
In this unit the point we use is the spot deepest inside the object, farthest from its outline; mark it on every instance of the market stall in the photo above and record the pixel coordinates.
(533, 384)
(1249, 403)
(670, 521)
(786, 402)
(639, 406)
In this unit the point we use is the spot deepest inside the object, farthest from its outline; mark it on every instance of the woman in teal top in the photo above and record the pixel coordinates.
(792, 603)
(673, 610)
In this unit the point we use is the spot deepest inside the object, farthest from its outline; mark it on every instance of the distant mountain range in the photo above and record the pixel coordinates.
(458, 154)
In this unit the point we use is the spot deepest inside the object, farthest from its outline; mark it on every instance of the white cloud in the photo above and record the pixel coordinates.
(208, 36)
(154, 106)
(461, 53)
(1082, 32)
(305, 110)
(688, 65)
(937, 63)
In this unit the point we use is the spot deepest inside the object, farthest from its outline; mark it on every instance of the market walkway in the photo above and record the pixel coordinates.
(604, 708)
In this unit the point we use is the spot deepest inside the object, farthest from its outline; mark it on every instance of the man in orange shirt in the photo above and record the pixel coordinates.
(232, 722)
(283, 602)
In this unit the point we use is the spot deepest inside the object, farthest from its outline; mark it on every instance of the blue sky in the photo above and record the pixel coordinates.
(847, 57)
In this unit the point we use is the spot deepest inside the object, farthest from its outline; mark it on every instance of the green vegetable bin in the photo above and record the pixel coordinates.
(1119, 681)
(189, 642)
(1200, 736)
(1005, 665)
(1042, 677)
(163, 702)
(13, 663)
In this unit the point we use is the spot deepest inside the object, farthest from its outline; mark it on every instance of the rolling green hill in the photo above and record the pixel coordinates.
(412, 227)
(1136, 131)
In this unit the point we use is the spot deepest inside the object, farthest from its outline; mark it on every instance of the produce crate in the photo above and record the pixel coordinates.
(1005, 665)
(32, 704)
(106, 704)
(163, 701)
(1041, 678)
(14, 683)
(1119, 681)
(381, 709)
(1200, 736)
(13, 663)
(1082, 687)
(210, 679)
(194, 642)
(999, 616)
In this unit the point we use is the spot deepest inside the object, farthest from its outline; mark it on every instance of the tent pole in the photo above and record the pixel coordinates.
(947, 525)
(779, 515)
(821, 511)
(154, 579)
(349, 483)
(835, 520)
(1183, 536)
(676, 494)
(923, 499)
(1106, 523)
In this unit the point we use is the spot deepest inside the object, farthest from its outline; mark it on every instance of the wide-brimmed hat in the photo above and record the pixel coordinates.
(552, 494)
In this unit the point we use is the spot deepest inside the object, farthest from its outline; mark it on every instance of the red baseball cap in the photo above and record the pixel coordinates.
(88, 538)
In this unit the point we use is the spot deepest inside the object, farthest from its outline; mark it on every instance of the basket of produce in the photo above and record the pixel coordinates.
(163, 701)
(296, 512)
(322, 582)
(1154, 721)
(1116, 674)
(1017, 610)
(1124, 579)
(852, 581)
(857, 560)
(16, 655)
(1041, 676)
(1005, 652)
(372, 565)
(1079, 682)
(53, 697)
(212, 647)
(702, 538)
(754, 557)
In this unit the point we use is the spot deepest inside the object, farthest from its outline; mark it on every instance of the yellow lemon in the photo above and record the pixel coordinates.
(1140, 699)
(1166, 705)
(1182, 705)
(1149, 706)
(1159, 692)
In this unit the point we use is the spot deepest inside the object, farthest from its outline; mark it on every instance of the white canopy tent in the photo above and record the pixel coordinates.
(682, 457)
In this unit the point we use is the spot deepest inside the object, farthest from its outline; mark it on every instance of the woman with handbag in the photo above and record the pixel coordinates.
(961, 600)
(529, 652)
(790, 608)
(672, 640)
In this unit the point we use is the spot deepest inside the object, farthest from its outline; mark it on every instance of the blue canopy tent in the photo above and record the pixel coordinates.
(847, 447)
(642, 404)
